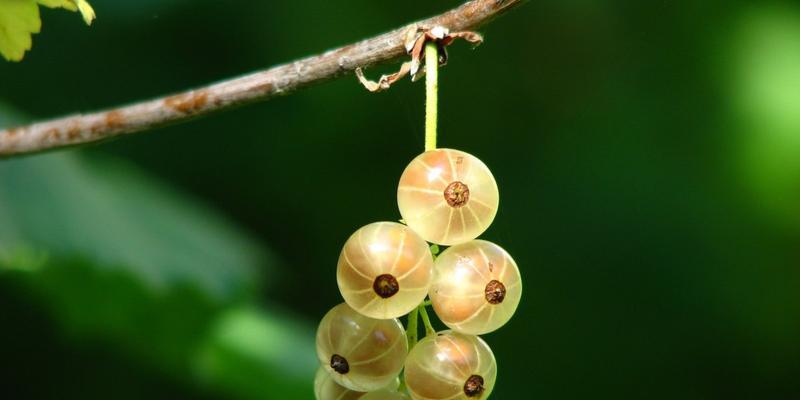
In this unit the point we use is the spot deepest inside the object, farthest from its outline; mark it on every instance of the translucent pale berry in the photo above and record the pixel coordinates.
(450, 366)
(325, 388)
(476, 287)
(385, 395)
(447, 196)
(360, 353)
(384, 270)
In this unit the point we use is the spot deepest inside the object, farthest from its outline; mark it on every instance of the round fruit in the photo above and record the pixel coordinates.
(325, 388)
(384, 270)
(385, 395)
(447, 196)
(450, 366)
(476, 287)
(360, 353)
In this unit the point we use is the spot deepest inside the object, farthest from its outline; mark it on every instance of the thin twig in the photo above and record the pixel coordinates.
(264, 85)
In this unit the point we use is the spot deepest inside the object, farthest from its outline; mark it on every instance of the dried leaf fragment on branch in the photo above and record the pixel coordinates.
(415, 41)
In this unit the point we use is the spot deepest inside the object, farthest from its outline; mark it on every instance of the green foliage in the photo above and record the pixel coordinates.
(115, 308)
(607, 125)
(251, 355)
(118, 258)
(108, 212)
(20, 18)
(766, 95)
(73, 5)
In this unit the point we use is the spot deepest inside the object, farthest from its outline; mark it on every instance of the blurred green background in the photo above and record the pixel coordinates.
(647, 153)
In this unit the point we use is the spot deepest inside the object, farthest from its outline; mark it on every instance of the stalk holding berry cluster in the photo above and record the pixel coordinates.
(387, 269)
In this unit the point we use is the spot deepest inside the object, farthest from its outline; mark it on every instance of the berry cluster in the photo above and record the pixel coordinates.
(387, 269)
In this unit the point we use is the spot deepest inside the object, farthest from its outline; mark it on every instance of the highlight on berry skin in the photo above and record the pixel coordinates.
(451, 366)
(360, 353)
(476, 287)
(385, 270)
(447, 196)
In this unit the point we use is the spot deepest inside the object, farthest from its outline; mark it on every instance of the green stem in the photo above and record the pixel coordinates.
(411, 329)
(429, 331)
(431, 106)
(431, 94)
(411, 336)
(435, 250)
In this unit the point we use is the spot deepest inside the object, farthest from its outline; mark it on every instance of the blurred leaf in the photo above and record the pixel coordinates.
(766, 84)
(257, 356)
(87, 227)
(114, 308)
(243, 352)
(768, 70)
(23, 258)
(122, 260)
(109, 213)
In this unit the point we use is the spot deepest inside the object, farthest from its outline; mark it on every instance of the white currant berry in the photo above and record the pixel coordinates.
(325, 388)
(450, 366)
(384, 270)
(476, 287)
(385, 395)
(360, 353)
(447, 196)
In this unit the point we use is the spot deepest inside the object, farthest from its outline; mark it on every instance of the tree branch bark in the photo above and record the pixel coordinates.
(263, 85)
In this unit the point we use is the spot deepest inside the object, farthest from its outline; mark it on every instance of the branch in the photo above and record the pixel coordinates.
(263, 85)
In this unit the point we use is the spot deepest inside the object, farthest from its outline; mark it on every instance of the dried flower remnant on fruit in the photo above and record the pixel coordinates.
(495, 292)
(339, 364)
(456, 194)
(386, 286)
(474, 386)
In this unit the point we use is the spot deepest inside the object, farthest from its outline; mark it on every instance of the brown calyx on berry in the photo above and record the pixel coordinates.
(339, 364)
(386, 286)
(473, 387)
(495, 292)
(456, 194)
